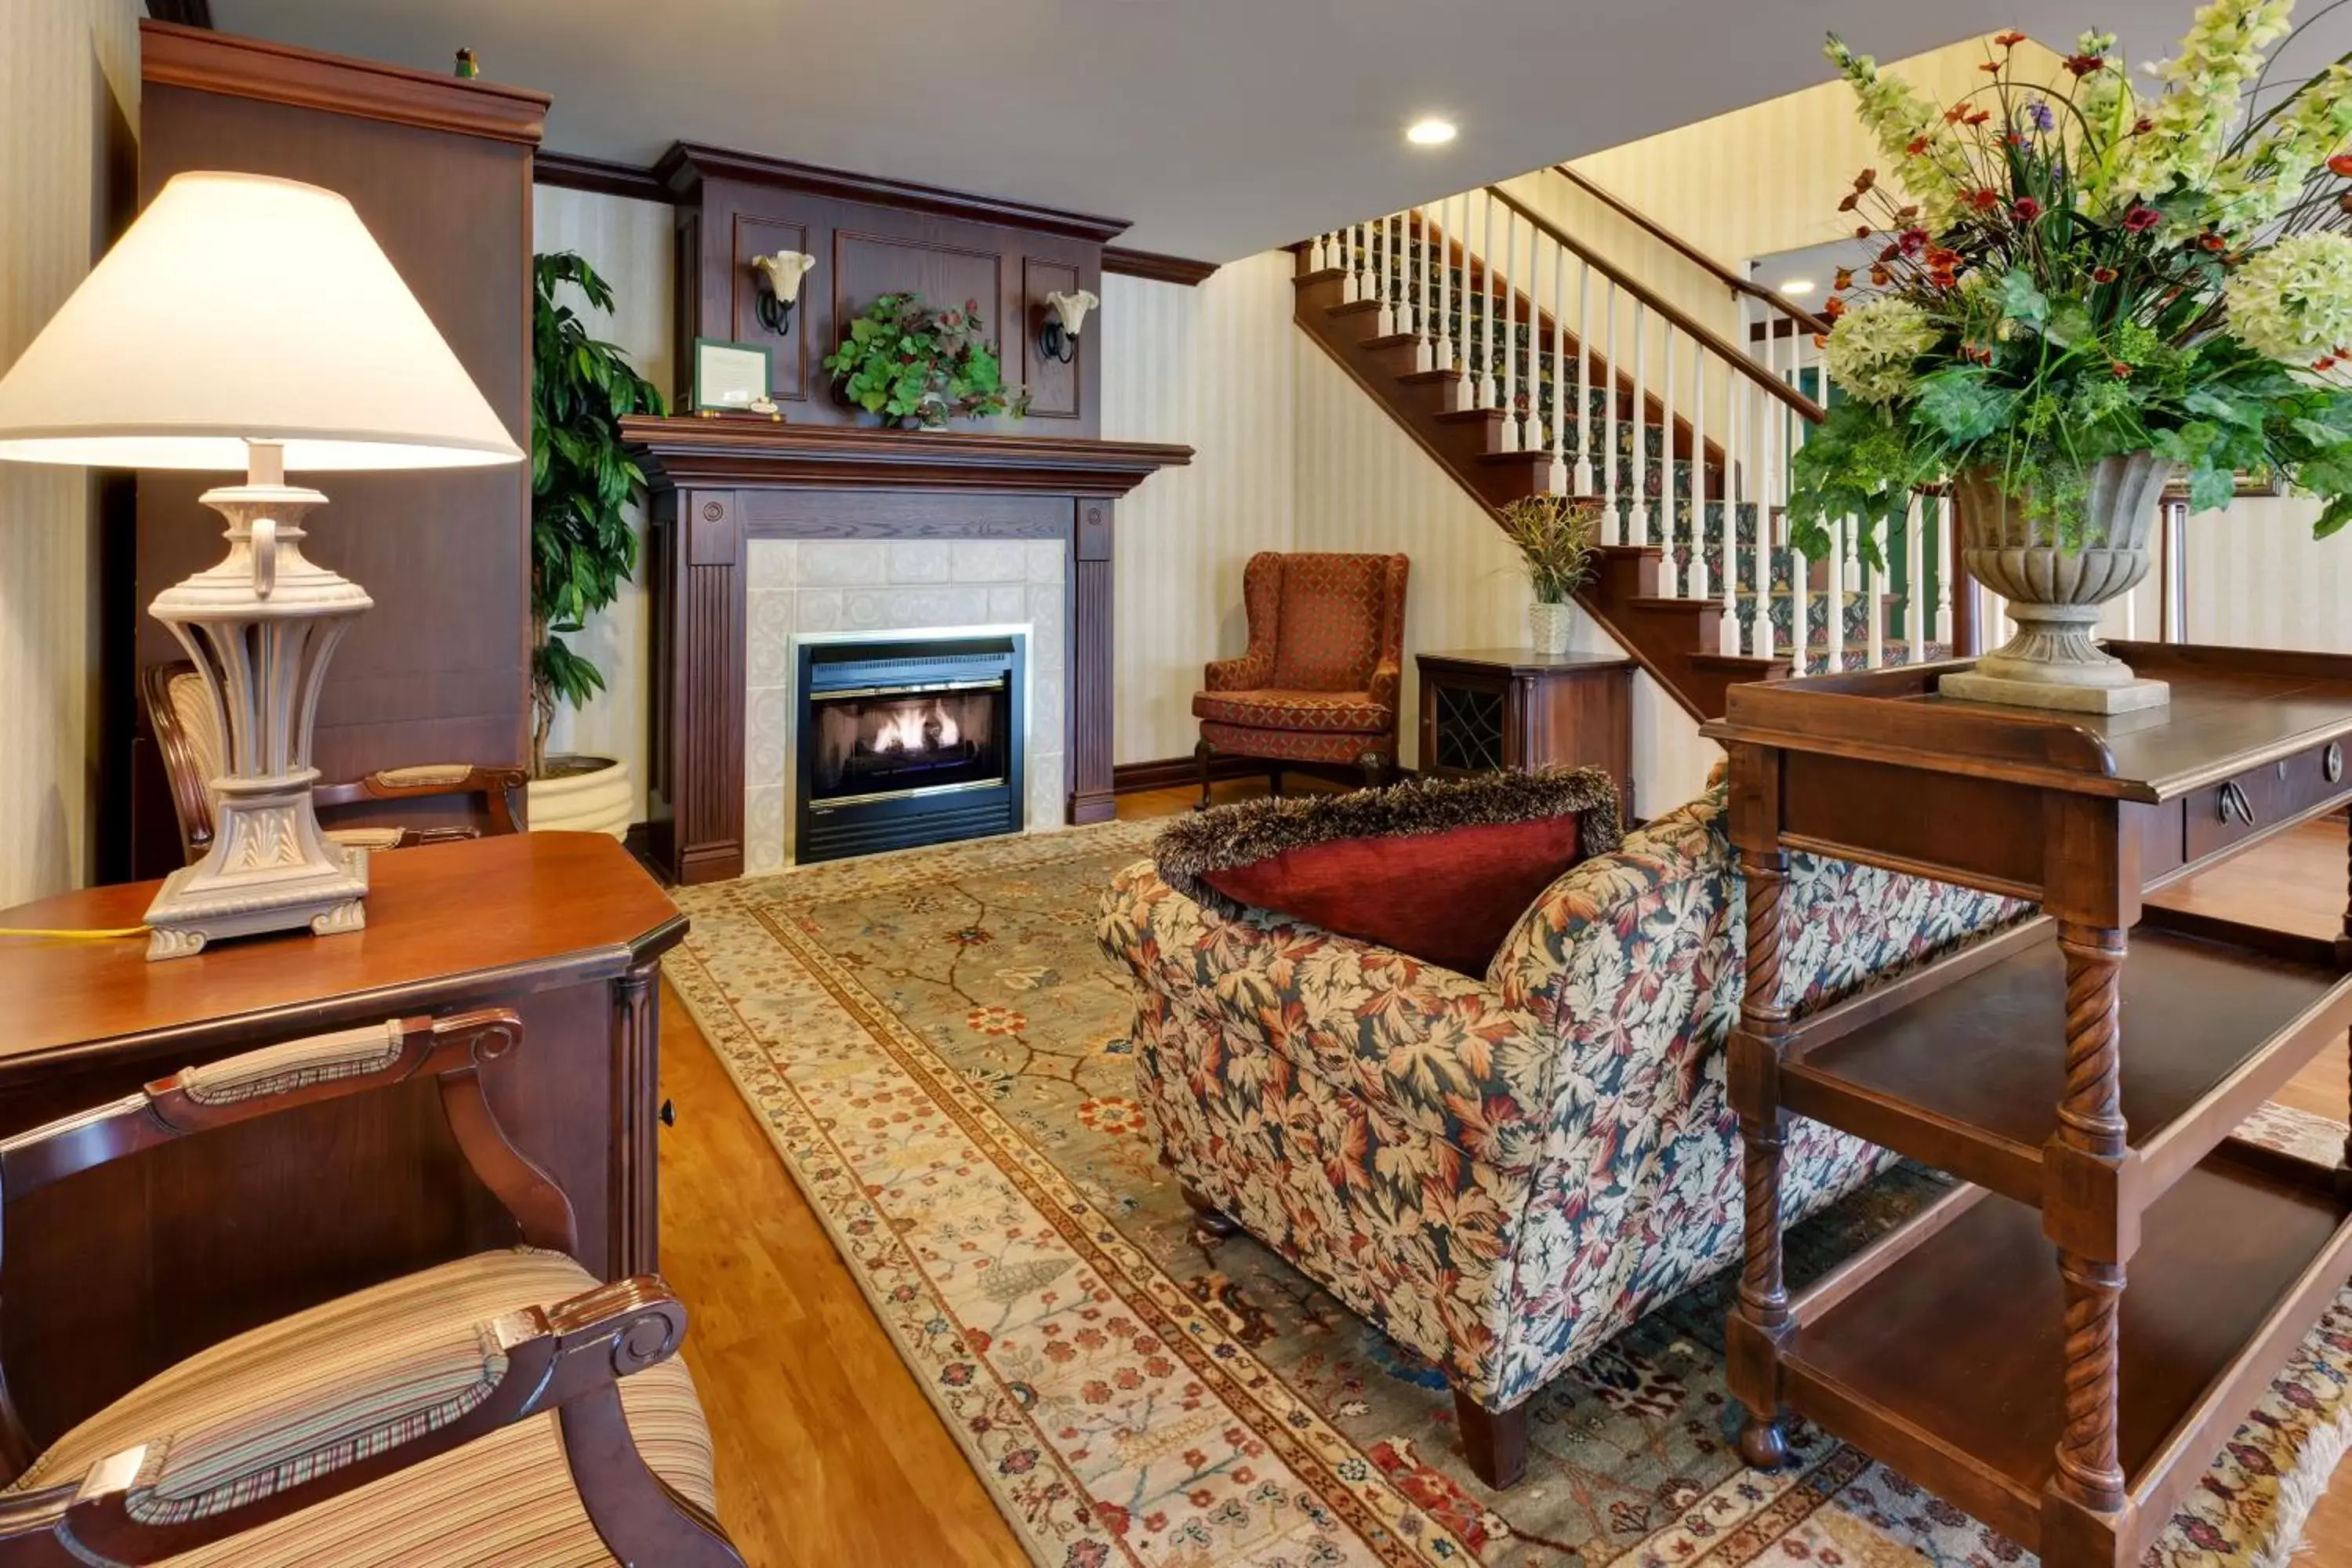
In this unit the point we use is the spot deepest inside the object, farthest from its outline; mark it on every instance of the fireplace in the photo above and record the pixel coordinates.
(907, 739)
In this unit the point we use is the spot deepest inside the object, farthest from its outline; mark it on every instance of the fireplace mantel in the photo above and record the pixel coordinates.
(717, 484)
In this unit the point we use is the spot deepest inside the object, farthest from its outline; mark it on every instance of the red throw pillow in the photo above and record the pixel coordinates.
(1447, 898)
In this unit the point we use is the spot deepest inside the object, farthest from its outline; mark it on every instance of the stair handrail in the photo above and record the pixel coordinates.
(1669, 237)
(1716, 344)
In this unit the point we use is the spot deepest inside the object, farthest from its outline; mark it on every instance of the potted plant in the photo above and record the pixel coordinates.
(2080, 294)
(1557, 537)
(581, 545)
(921, 367)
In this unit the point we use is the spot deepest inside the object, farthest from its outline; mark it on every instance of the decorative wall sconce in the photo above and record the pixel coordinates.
(1065, 317)
(780, 287)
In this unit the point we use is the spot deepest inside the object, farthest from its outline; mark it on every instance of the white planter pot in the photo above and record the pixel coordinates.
(1549, 626)
(598, 798)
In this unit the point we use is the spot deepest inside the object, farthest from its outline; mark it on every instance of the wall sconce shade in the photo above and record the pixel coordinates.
(780, 285)
(1065, 317)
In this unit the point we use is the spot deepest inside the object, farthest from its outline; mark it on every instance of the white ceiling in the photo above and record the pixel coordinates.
(1218, 127)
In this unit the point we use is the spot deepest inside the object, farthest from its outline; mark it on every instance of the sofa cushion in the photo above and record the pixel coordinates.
(1438, 869)
(1348, 712)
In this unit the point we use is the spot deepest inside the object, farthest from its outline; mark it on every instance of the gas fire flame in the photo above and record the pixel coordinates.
(903, 730)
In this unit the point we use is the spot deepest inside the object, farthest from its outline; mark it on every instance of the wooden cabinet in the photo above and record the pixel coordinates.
(1514, 707)
(2062, 1345)
(246, 1224)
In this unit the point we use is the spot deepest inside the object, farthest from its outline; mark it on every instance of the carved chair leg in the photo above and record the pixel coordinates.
(1494, 1441)
(1208, 1215)
(1376, 770)
(1203, 753)
(1273, 780)
(639, 1518)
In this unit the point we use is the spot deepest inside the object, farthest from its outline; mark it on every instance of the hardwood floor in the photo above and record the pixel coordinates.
(827, 1451)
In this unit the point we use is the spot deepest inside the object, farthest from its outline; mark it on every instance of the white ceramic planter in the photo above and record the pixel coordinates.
(1549, 626)
(596, 799)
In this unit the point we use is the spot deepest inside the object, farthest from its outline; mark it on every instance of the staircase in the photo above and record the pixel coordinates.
(1473, 320)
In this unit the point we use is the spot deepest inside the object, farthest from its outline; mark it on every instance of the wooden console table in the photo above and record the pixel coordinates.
(564, 928)
(1484, 709)
(2085, 1097)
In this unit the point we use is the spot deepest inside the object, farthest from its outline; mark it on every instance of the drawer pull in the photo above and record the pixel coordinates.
(2233, 804)
(2331, 761)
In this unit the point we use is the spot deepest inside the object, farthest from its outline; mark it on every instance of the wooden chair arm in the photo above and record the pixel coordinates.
(502, 789)
(576, 1350)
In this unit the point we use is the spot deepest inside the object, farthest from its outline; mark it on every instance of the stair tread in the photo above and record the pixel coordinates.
(1393, 341)
(1687, 606)
(1466, 416)
(1419, 377)
(1353, 307)
(1525, 455)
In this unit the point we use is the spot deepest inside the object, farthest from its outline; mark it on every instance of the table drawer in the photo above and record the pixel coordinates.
(2263, 796)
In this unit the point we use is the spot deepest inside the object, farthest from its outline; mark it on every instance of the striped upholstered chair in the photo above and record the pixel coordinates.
(506, 1410)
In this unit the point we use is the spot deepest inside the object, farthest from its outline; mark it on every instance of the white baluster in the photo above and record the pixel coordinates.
(1611, 368)
(1640, 456)
(1777, 438)
(1556, 477)
(1381, 324)
(1583, 480)
(1669, 572)
(1532, 418)
(1915, 583)
(1400, 258)
(1460, 286)
(1424, 353)
(1485, 398)
(1508, 395)
(1352, 286)
(1943, 558)
(1737, 474)
(1695, 586)
(1833, 583)
(1761, 492)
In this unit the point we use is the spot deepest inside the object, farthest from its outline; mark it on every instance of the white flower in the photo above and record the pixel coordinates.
(2268, 178)
(2293, 300)
(2203, 85)
(1872, 347)
(1902, 117)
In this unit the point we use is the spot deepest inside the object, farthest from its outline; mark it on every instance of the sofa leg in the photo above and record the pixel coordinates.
(1494, 1441)
(1203, 753)
(1376, 770)
(1208, 1215)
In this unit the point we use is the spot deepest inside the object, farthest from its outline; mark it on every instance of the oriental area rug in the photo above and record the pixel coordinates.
(939, 1053)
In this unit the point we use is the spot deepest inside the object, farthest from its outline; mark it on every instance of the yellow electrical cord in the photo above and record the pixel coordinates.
(75, 935)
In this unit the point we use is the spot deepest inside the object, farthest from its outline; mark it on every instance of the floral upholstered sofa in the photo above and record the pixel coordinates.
(1502, 1170)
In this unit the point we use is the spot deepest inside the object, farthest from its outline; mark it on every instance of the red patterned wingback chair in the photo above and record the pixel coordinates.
(1319, 683)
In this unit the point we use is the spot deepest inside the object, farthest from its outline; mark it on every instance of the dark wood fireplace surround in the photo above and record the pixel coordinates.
(717, 484)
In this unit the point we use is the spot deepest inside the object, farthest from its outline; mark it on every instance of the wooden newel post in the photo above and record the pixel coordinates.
(1967, 635)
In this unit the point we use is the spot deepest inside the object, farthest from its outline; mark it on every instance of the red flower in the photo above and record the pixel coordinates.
(2212, 242)
(1820, 340)
(1979, 117)
(2025, 209)
(2122, 371)
(2009, 40)
(2340, 165)
(2102, 274)
(1908, 212)
(1833, 308)
(1864, 180)
(2016, 139)
(1991, 67)
(2325, 362)
(1880, 276)
(1912, 241)
(2141, 128)
(1844, 279)
(2140, 219)
(1849, 204)
(1862, 232)
(2084, 65)
(1984, 198)
(1918, 145)
(1976, 354)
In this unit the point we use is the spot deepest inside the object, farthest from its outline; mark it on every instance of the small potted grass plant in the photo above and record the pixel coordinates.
(1557, 537)
(2078, 294)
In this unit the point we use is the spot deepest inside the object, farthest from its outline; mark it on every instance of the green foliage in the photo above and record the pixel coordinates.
(921, 367)
(2072, 251)
(581, 478)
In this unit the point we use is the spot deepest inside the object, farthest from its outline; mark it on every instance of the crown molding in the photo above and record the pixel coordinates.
(687, 164)
(1157, 266)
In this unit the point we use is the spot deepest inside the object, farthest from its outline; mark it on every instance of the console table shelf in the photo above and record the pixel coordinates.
(2061, 1345)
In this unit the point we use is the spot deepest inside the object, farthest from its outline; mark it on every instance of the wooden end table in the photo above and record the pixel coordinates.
(2062, 1345)
(1484, 708)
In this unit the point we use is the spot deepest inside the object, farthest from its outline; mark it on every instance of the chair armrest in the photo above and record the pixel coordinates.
(257, 1083)
(1388, 676)
(1248, 673)
(502, 789)
(160, 1498)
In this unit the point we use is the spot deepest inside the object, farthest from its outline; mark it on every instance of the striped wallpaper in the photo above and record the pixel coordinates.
(60, 61)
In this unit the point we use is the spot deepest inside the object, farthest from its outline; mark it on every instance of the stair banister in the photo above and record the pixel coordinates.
(1684, 247)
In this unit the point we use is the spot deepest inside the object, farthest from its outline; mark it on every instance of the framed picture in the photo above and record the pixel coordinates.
(730, 378)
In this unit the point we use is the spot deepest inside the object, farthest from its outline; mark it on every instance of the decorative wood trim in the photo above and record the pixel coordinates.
(206, 61)
(574, 173)
(635, 1216)
(687, 453)
(1158, 268)
(689, 163)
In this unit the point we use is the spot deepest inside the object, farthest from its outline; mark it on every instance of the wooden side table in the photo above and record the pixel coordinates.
(1485, 708)
(2062, 1345)
(564, 928)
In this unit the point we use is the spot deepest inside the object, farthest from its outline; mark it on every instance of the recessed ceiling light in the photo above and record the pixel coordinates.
(1430, 132)
(1798, 286)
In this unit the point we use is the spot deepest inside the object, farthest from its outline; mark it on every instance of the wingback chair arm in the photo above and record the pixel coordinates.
(1251, 672)
(125, 1508)
(1388, 677)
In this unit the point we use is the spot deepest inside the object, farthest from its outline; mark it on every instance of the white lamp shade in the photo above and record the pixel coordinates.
(243, 308)
(1072, 309)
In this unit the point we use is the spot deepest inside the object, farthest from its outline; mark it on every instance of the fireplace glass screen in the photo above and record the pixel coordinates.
(883, 741)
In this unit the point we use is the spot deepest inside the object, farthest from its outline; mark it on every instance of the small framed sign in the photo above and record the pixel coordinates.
(730, 378)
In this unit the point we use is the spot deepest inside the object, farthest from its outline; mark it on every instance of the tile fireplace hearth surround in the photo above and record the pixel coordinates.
(821, 592)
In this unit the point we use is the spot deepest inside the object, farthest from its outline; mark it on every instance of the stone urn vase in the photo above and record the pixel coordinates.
(2055, 588)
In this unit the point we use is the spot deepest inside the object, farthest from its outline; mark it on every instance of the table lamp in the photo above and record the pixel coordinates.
(244, 322)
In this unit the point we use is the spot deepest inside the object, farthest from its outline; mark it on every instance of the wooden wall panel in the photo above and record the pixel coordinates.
(790, 363)
(438, 670)
(1053, 385)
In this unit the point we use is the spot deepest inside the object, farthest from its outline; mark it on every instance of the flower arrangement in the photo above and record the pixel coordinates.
(921, 367)
(2075, 272)
(1557, 536)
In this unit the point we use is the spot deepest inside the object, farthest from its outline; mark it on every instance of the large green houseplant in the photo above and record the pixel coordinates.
(921, 367)
(583, 547)
(2079, 294)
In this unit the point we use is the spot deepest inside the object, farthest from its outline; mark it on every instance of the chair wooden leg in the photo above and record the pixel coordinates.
(637, 1516)
(1203, 753)
(1274, 782)
(1208, 1215)
(1376, 770)
(1494, 1441)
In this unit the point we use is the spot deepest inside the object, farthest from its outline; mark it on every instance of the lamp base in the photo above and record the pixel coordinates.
(260, 626)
